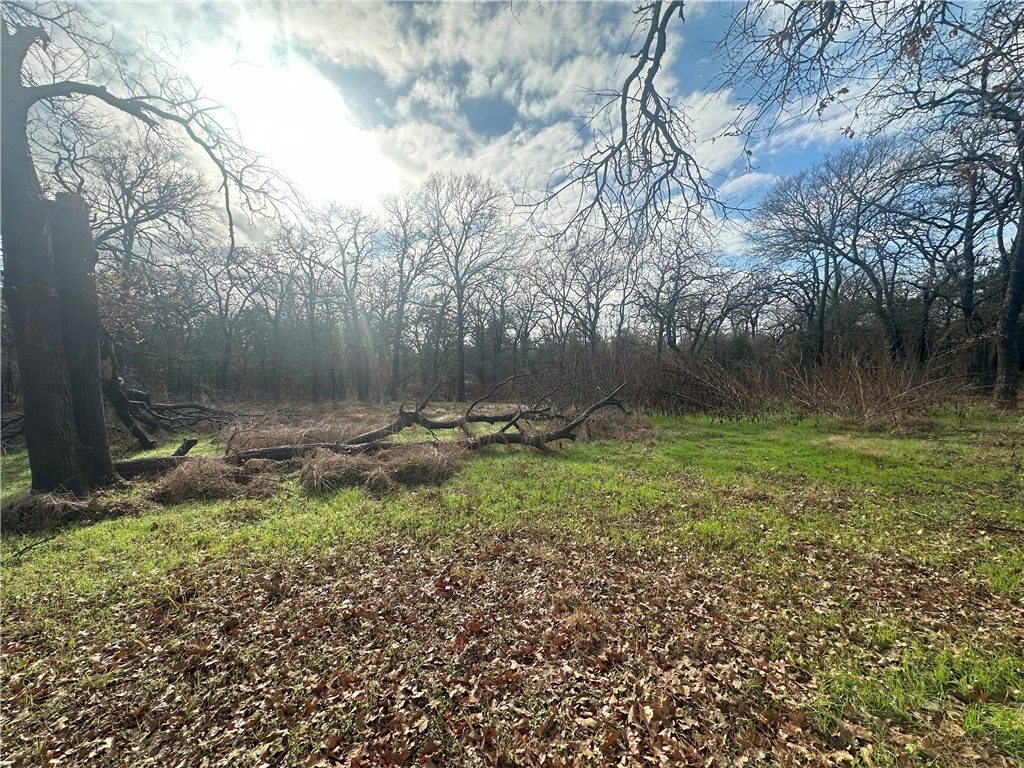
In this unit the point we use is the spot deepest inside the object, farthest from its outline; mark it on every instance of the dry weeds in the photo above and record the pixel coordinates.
(414, 464)
(208, 479)
(199, 479)
(42, 511)
(424, 464)
(287, 428)
(610, 424)
(324, 471)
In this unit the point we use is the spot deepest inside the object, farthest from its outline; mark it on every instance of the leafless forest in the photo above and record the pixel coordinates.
(169, 263)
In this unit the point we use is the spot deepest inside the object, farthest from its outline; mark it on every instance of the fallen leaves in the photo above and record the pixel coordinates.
(521, 649)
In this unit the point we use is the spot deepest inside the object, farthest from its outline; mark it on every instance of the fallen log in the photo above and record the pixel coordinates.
(375, 440)
(133, 405)
(11, 427)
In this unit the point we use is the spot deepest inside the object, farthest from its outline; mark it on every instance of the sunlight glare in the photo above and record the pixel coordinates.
(293, 115)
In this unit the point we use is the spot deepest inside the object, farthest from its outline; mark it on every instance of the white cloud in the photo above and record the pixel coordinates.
(740, 185)
(545, 60)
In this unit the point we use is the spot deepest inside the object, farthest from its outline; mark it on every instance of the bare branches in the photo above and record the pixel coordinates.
(642, 171)
(81, 61)
(494, 390)
(376, 440)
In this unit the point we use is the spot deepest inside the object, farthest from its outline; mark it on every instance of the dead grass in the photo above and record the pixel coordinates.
(425, 464)
(208, 479)
(857, 445)
(324, 471)
(379, 482)
(42, 511)
(48, 511)
(416, 464)
(286, 428)
(611, 424)
(254, 467)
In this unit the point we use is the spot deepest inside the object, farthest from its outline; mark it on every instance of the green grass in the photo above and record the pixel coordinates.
(15, 477)
(745, 499)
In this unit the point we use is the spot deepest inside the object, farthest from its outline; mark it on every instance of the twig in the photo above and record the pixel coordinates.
(494, 390)
(31, 546)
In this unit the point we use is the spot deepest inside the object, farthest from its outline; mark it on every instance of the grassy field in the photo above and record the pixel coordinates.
(714, 593)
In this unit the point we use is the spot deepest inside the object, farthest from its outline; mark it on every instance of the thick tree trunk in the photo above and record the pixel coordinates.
(57, 457)
(1008, 327)
(74, 262)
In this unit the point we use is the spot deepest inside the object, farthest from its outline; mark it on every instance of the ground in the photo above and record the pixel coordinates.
(792, 591)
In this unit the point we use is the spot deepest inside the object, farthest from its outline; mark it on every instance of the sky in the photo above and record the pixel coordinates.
(352, 101)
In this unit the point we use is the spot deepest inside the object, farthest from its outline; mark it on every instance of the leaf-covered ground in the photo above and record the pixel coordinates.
(769, 593)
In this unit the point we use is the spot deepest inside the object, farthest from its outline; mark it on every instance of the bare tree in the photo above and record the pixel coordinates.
(673, 269)
(309, 265)
(959, 66)
(468, 222)
(351, 233)
(54, 55)
(410, 255)
(142, 194)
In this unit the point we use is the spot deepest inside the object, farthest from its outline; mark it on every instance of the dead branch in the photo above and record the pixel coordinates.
(11, 427)
(375, 440)
(540, 439)
(186, 445)
(13, 558)
(494, 390)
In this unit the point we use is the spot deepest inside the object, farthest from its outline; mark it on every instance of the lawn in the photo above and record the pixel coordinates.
(780, 591)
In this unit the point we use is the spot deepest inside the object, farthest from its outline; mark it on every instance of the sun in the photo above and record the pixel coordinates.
(290, 113)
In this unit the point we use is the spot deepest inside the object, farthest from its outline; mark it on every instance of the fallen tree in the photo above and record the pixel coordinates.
(514, 429)
(133, 405)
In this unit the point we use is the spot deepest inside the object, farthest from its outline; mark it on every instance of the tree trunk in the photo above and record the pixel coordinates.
(396, 354)
(1008, 327)
(57, 457)
(74, 262)
(819, 330)
(460, 349)
(117, 395)
(275, 360)
(314, 367)
(224, 369)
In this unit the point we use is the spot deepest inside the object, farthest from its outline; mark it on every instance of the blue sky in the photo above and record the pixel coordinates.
(355, 100)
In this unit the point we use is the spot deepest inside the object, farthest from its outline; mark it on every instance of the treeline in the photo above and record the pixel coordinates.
(889, 252)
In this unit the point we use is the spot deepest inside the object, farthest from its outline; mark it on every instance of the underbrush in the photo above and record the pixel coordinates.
(325, 471)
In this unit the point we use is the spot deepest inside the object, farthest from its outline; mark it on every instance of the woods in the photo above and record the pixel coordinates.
(911, 240)
(555, 384)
